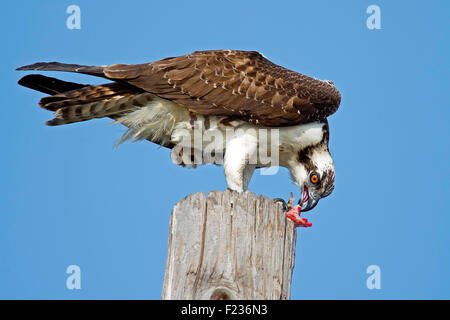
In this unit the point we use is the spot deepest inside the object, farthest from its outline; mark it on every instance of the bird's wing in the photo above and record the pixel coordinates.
(241, 84)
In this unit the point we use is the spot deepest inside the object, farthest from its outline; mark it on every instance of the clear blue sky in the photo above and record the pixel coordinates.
(67, 197)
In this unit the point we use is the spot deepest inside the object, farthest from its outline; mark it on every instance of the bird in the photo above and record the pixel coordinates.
(240, 98)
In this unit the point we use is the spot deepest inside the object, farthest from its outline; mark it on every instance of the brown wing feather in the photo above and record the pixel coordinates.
(234, 83)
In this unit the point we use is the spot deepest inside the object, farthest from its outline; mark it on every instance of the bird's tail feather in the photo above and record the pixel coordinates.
(73, 102)
(112, 107)
(48, 85)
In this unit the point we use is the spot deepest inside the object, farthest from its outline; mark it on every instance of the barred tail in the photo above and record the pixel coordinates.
(73, 102)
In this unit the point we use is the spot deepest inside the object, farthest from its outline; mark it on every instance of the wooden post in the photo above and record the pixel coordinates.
(229, 246)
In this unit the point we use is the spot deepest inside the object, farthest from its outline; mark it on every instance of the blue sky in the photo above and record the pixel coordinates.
(67, 197)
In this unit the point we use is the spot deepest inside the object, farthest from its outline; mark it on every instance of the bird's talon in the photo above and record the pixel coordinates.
(283, 203)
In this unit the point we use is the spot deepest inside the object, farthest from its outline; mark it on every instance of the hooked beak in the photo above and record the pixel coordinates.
(307, 201)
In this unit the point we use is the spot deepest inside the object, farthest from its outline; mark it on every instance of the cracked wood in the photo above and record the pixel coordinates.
(229, 246)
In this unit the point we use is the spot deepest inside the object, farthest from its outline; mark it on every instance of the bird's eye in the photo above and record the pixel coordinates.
(314, 178)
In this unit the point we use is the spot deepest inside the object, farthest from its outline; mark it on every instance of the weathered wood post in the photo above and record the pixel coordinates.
(229, 246)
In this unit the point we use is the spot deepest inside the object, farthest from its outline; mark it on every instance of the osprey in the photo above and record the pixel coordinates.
(211, 92)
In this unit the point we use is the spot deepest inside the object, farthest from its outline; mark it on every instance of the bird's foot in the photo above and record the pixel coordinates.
(294, 216)
(286, 206)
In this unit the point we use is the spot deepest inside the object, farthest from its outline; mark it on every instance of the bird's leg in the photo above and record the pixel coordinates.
(238, 178)
(238, 171)
(234, 173)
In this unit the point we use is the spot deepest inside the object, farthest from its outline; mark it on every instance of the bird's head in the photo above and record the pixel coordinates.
(313, 172)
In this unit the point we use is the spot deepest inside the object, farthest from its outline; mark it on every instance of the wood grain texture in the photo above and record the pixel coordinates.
(229, 246)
